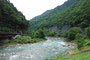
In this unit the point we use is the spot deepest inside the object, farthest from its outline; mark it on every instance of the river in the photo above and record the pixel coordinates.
(36, 51)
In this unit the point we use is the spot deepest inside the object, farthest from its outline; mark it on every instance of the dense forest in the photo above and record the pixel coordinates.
(11, 20)
(75, 13)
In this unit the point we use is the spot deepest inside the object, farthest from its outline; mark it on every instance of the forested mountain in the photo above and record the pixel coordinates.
(72, 13)
(11, 20)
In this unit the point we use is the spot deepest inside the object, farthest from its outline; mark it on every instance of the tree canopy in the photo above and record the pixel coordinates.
(11, 20)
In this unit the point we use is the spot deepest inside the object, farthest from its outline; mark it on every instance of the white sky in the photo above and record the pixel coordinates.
(32, 8)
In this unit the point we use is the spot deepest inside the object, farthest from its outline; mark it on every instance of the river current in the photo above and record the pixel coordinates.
(36, 51)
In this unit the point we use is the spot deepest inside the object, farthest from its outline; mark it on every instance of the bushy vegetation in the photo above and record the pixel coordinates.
(38, 34)
(49, 33)
(88, 32)
(76, 35)
(82, 41)
(59, 34)
(70, 34)
(11, 20)
(42, 33)
(25, 40)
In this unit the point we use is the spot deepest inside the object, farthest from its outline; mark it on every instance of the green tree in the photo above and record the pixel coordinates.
(87, 30)
(78, 38)
(38, 34)
(70, 34)
(11, 20)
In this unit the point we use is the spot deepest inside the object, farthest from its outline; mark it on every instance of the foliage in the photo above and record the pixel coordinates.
(38, 34)
(11, 20)
(25, 39)
(87, 30)
(78, 38)
(82, 40)
(70, 34)
(49, 33)
(59, 34)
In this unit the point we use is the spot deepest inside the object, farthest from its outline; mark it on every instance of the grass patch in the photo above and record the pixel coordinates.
(74, 51)
(83, 56)
(85, 48)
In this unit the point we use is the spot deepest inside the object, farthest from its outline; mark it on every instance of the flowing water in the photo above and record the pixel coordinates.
(36, 51)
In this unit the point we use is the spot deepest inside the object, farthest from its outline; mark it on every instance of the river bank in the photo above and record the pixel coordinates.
(27, 40)
(83, 54)
(20, 40)
(74, 54)
(69, 44)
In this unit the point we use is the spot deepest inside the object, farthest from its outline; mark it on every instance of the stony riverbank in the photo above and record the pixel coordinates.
(69, 44)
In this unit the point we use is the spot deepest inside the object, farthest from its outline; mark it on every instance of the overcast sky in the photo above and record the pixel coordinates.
(32, 8)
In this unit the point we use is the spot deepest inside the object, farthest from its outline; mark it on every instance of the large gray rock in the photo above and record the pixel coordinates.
(65, 28)
(16, 36)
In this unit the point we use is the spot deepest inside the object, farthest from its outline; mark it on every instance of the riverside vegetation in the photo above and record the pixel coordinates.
(35, 37)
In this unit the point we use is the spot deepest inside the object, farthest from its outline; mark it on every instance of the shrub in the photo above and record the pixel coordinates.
(83, 42)
(60, 34)
(41, 34)
(78, 38)
(70, 34)
(87, 30)
(51, 33)
(25, 39)
(38, 34)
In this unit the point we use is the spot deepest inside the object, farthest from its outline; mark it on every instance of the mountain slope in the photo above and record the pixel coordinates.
(11, 20)
(72, 12)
